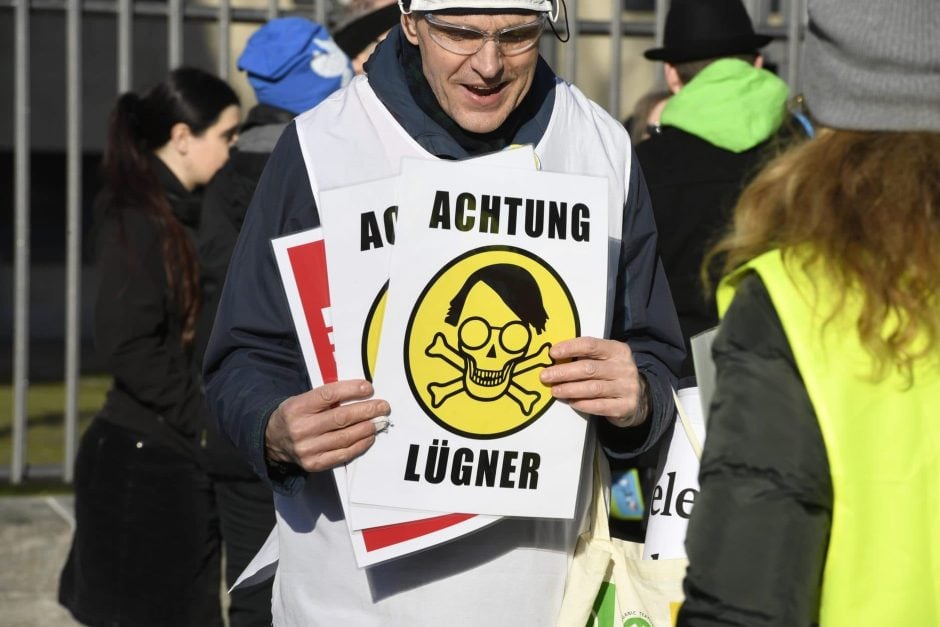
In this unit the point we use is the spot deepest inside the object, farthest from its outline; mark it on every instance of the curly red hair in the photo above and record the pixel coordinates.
(867, 204)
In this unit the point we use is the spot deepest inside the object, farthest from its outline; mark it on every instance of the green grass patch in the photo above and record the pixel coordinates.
(45, 409)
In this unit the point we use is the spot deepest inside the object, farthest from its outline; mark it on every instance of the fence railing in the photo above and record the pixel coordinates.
(783, 19)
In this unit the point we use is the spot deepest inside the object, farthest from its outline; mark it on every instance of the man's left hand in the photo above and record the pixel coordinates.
(600, 378)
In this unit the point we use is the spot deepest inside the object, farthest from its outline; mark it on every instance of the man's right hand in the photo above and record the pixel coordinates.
(321, 429)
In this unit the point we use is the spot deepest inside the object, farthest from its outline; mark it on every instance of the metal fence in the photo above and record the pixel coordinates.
(783, 19)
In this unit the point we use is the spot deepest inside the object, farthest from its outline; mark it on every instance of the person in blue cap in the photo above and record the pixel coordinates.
(292, 64)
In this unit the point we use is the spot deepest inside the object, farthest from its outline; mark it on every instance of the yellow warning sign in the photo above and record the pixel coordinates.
(479, 335)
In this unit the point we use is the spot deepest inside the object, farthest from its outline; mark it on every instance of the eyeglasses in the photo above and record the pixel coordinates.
(476, 332)
(466, 41)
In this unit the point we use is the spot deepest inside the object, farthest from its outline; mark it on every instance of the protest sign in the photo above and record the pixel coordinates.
(491, 267)
(359, 231)
(301, 260)
(675, 492)
(704, 368)
(360, 223)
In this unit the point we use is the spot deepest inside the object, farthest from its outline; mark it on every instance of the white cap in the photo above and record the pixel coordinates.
(440, 5)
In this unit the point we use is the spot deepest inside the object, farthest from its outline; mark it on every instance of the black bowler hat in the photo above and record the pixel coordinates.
(706, 29)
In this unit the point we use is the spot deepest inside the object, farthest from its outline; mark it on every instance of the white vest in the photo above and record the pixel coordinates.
(511, 573)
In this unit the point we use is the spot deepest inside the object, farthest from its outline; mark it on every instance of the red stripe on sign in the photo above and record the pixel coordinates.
(308, 262)
(376, 538)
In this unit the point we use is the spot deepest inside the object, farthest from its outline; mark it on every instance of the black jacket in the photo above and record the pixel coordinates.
(138, 326)
(225, 202)
(758, 534)
(693, 186)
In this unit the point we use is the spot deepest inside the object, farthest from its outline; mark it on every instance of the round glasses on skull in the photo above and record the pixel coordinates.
(490, 354)
(464, 40)
(476, 332)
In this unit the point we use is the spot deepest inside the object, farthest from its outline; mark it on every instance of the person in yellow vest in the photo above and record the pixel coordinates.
(820, 479)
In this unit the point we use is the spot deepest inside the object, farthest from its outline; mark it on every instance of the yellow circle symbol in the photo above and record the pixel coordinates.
(372, 332)
(479, 336)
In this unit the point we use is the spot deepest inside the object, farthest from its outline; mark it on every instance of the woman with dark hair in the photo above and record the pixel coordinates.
(820, 479)
(146, 549)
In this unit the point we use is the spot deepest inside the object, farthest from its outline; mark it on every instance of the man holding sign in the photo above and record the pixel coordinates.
(458, 78)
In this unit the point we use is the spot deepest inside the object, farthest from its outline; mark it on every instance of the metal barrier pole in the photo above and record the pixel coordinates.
(751, 7)
(548, 49)
(571, 48)
(662, 9)
(319, 11)
(272, 9)
(760, 14)
(616, 51)
(125, 37)
(794, 31)
(73, 231)
(21, 258)
(174, 42)
(225, 37)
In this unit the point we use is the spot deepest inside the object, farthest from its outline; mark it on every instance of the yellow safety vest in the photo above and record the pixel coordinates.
(883, 444)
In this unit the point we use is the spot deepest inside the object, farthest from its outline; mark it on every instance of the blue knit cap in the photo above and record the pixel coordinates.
(293, 64)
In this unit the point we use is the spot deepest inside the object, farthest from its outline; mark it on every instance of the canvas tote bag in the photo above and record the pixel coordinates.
(609, 583)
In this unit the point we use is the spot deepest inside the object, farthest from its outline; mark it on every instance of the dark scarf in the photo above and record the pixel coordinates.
(186, 205)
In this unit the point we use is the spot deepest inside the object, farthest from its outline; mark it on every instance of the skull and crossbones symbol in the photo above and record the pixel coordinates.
(490, 357)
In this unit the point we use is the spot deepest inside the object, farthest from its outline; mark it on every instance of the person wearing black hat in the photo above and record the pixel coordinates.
(820, 479)
(364, 25)
(715, 130)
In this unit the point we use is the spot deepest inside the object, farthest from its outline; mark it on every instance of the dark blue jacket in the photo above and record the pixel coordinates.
(253, 361)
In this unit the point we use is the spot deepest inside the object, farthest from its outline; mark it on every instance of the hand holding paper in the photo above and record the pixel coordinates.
(490, 268)
(317, 432)
(601, 378)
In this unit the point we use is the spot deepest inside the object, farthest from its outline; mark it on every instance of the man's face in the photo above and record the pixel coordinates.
(478, 91)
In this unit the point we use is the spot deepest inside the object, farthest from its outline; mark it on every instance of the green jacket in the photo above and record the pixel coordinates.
(730, 104)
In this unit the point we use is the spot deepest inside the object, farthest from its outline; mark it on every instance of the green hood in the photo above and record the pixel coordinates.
(730, 104)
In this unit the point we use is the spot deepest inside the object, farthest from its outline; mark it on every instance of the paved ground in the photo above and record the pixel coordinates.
(35, 535)
(35, 532)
